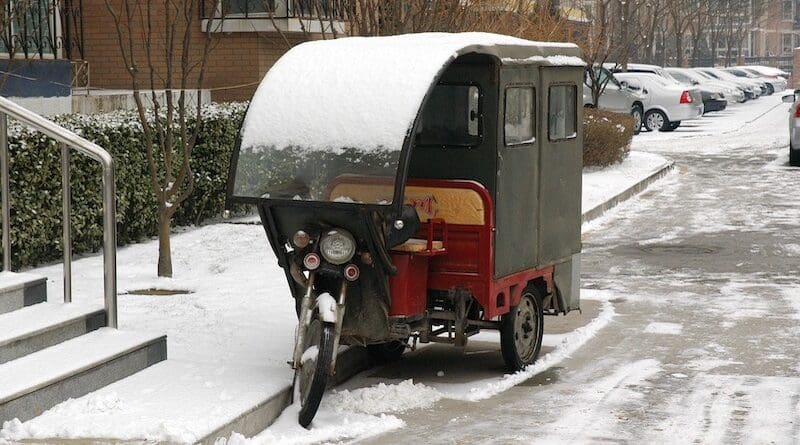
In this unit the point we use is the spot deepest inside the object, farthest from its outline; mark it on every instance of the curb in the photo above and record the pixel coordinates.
(350, 362)
(355, 359)
(629, 193)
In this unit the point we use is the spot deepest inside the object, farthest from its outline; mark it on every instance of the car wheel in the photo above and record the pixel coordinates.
(794, 157)
(521, 331)
(656, 120)
(672, 126)
(636, 112)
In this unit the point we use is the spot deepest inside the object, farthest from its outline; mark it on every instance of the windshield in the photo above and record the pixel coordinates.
(681, 77)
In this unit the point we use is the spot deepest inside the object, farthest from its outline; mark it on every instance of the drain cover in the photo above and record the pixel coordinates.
(684, 249)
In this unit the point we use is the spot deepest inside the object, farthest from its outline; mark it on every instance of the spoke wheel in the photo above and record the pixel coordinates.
(637, 119)
(311, 378)
(655, 120)
(521, 331)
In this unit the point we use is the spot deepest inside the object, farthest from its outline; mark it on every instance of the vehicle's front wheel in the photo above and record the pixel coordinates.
(637, 113)
(656, 120)
(521, 331)
(794, 157)
(311, 378)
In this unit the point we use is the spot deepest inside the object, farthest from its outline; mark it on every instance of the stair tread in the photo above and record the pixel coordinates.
(14, 280)
(42, 368)
(39, 317)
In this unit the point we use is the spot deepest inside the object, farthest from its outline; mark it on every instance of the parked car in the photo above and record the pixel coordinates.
(772, 85)
(770, 71)
(667, 103)
(752, 89)
(731, 92)
(794, 128)
(778, 83)
(696, 93)
(714, 96)
(616, 97)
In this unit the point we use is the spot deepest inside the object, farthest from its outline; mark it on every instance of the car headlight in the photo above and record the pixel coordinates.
(337, 246)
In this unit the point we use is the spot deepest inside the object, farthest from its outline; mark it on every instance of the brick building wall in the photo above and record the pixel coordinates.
(238, 58)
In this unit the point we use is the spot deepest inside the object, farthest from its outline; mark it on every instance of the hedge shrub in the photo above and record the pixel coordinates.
(606, 137)
(35, 177)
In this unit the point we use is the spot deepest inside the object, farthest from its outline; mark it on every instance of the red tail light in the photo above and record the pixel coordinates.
(797, 112)
(686, 98)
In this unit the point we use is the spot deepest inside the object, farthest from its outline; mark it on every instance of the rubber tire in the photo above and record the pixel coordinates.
(794, 157)
(508, 346)
(641, 119)
(672, 126)
(652, 112)
(320, 379)
(388, 352)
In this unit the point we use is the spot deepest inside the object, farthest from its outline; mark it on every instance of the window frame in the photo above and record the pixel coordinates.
(574, 135)
(534, 114)
(478, 139)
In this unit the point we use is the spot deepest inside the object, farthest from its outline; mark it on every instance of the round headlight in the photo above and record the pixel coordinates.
(337, 246)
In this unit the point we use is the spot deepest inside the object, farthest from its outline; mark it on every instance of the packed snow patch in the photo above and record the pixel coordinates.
(663, 328)
(383, 398)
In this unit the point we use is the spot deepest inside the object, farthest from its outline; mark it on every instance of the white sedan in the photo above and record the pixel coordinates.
(667, 104)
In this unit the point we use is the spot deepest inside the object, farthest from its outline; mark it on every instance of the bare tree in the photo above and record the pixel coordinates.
(161, 43)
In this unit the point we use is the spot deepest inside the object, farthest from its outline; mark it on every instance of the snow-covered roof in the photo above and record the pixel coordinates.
(365, 92)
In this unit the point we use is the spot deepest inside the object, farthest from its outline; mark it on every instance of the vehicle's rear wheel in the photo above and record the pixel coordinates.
(656, 120)
(388, 352)
(521, 331)
(794, 157)
(637, 113)
(672, 126)
(311, 378)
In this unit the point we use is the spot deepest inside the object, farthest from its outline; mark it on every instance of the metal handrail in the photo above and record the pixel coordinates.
(68, 140)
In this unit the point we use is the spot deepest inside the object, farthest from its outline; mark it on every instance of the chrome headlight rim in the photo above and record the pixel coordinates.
(337, 246)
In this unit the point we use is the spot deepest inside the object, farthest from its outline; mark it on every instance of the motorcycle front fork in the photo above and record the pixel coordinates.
(307, 307)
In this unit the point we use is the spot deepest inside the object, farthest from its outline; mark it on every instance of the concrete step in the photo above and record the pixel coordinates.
(35, 383)
(40, 326)
(18, 290)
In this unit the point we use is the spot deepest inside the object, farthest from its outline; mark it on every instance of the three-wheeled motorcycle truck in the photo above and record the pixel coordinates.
(417, 188)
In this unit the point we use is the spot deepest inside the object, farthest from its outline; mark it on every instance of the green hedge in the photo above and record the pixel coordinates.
(35, 178)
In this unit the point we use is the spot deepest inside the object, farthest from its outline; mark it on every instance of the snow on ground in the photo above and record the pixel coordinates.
(600, 183)
(230, 336)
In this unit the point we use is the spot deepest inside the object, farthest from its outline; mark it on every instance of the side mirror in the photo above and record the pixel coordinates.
(694, 82)
(645, 91)
(789, 98)
(625, 84)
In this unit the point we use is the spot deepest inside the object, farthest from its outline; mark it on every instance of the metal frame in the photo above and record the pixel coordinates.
(68, 141)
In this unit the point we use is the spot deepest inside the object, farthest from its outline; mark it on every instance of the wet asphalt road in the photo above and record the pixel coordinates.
(703, 271)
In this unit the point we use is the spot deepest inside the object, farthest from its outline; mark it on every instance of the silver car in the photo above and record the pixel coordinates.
(794, 128)
(617, 97)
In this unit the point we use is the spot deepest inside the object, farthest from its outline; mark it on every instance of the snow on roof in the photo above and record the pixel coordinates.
(364, 92)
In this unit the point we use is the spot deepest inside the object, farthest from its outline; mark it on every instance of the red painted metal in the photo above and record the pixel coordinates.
(409, 288)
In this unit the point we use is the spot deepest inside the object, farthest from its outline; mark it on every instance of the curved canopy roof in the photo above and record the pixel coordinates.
(365, 92)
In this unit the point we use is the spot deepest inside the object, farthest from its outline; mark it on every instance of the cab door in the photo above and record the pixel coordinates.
(516, 199)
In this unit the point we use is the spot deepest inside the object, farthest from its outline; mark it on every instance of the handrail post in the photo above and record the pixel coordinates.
(4, 189)
(66, 209)
(110, 242)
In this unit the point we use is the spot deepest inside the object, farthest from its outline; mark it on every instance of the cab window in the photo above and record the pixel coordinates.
(452, 117)
(520, 111)
(562, 112)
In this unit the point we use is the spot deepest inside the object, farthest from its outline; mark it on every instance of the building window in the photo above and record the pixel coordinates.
(788, 9)
(563, 112)
(246, 7)
(452, 117)
(788, 44)
(31, 29)
(519, 115)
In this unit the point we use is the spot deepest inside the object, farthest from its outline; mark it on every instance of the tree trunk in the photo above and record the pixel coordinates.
(164, 249)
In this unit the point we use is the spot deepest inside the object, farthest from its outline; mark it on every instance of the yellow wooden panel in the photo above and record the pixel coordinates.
(454, 205)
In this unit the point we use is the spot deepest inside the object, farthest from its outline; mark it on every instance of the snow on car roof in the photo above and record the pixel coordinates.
(365, 92)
